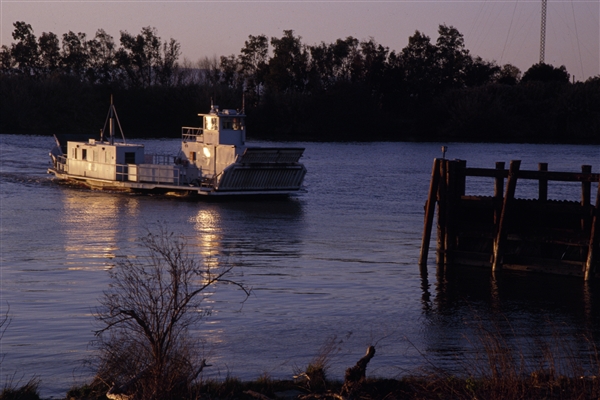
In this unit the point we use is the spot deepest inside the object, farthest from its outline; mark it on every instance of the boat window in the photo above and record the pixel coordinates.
(192, 156)
(129, 157)
(232, 123)
(212, 123)
(84, 154)
(238, 124)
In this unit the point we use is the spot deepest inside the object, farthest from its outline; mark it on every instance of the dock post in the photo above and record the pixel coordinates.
(455, 189)
(543, 183)
(499, 181)
(442, 210)
(429, 212)
(586, 192)
(511, 185)
(593, 245)
(498, 188)
(586, 186)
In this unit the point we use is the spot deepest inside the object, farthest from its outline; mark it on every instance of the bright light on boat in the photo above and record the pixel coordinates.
(206, 152)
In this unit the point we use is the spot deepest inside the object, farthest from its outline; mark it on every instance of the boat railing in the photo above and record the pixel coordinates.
(160, 159)
(150, 173)
(157, 173)
(191, 134)
(60, 163)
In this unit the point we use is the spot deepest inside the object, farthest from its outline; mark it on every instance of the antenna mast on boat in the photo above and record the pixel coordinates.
(110, 119)
(543, 31)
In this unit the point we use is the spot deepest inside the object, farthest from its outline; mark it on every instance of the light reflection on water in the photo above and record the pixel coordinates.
(338, 260)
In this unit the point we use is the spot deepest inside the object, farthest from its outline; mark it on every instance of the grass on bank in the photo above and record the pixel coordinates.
(496, 370)
(16, 391)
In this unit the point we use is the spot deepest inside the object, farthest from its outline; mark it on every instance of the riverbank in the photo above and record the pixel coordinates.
(536, 386)
(496, 372)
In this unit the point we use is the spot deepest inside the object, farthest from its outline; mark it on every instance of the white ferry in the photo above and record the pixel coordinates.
(213, 161)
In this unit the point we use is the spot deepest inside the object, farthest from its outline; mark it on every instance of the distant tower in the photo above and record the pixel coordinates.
(543, 31)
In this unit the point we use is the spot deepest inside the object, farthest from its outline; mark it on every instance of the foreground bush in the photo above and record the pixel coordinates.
(145, 349)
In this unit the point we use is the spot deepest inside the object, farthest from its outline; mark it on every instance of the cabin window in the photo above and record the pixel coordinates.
(232, 124)
(84, 154)
(192, 156)
(129, 157)
(238, 124)
(212, 123)
(75, 154)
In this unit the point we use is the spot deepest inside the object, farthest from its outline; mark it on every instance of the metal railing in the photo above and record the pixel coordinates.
(160, 171)
(191, 134)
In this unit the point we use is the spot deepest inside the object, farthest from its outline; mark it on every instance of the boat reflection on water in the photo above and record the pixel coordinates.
(526, 312)
(92, 225)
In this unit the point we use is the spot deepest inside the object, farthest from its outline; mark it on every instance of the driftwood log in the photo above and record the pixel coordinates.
(355, 375)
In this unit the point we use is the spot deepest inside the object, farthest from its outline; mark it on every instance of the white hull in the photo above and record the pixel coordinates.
(188, 190)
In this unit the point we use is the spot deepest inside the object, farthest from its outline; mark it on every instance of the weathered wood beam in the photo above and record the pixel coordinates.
(511, 185)
(429, 212)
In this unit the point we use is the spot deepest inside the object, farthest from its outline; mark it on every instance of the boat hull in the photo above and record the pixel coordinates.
(177, 190)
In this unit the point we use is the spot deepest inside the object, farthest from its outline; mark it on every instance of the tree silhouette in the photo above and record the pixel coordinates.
(253, 63)
(288, 66)
(75, 56)
(542, 72)
(25, 51)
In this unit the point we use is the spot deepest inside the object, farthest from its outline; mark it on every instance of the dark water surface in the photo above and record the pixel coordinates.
(339, 260)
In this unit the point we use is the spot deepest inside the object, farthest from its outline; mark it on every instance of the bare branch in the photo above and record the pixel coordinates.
(145, 315)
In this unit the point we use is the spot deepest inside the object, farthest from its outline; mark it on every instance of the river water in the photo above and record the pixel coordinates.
(338, 261)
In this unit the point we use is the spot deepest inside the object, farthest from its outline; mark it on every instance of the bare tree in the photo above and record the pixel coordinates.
(146, 350)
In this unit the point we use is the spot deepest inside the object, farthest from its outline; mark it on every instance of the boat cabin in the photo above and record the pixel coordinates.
(217, 143)
(102, 160)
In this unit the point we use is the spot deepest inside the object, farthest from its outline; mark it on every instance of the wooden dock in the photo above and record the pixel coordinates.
(502, 231)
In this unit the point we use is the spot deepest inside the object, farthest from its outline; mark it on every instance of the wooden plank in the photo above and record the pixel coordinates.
(543, 183)
(442, 210)
(558, 176)
(486, 172)
(592, 255)
(429, 212)
(554, 270)
(511, 185)
(534, 175)
(499, 181)
(455, 187)
(586, 192)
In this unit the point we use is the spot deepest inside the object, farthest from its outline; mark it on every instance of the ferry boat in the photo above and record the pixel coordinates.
(213, 161)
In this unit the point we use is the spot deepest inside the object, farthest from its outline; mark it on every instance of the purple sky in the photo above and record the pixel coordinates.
(503, 31)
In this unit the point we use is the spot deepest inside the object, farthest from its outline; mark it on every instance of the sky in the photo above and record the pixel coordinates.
(507, 31)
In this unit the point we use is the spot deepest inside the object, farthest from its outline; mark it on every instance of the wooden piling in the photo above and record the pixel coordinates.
(594, 240)
(499, 181)
(442, 212)
(504, 232)
(455, 184)
(543, 183)
(586, 192)
(498, 188)
(429, 212)
(586, 186)
(511, 185)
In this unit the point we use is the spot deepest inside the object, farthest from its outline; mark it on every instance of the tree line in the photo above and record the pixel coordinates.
(350, 89)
